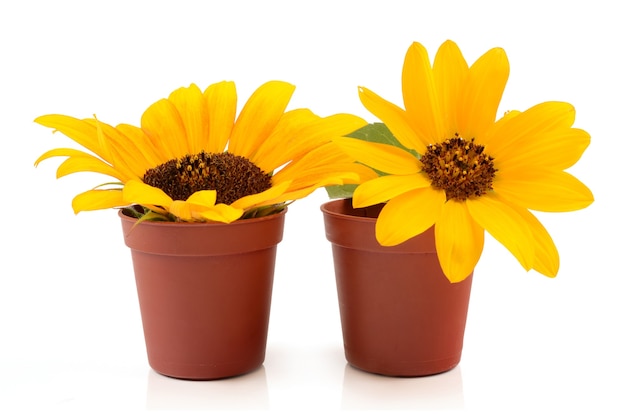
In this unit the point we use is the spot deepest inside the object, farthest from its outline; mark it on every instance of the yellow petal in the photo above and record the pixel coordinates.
(505, 225)
(78, 130)
(197, 202)
(110, 144)
(557, 149)
(541, 118)
(259, 116)
(139, 143)
(122, 152)
(459, 240)
(320, 167)
(88, 163)
(200, 206)
(255, 200)
(423, 105)
(383, 189)
(163, 124)
(327, 159)
(363, 172)
(191, 107)
(221, 213)
(450, 73)
(61, 152)
(97, 200)
(546, 254)
(204, 198)
(408, 215)
(396, 120)
(483, 92)
(543, 190)
(301, 134)
(319, 177)
(181, 209)
(381, 157)
(221, 101)
(136, 192)
(278, 148)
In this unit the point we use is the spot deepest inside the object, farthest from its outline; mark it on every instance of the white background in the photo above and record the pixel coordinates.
(70, 329)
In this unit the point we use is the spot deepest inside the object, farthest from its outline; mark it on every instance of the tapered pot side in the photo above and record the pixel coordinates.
(204, 292)
(400, 315)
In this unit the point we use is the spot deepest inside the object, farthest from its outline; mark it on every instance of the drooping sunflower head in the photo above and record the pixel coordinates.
(454, 166)
(193, 159)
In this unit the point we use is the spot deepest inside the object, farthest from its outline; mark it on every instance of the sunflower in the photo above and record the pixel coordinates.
(458, 169)
(194, 159)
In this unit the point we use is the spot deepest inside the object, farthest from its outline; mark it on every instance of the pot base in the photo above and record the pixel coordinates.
(402, 369)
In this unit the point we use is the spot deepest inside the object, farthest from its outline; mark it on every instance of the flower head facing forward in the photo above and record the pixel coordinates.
(457, 168)
(194, 159)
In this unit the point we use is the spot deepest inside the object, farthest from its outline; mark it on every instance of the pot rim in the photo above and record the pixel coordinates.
(125, 217)
(203, 239)
(333, 207)
(358, 231)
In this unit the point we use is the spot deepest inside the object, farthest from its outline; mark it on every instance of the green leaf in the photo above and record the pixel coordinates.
(341, 191)
(376, 132)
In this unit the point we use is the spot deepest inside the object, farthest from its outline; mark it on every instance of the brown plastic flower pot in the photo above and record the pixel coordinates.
(400, 315)
(204, 292)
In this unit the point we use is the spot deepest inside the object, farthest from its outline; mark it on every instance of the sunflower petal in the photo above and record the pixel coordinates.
(539, 119)
(88, 163)
(450, 72)
(326, 160)
(80, 131)
(546, 254)
(122, 152)
(421, 100)
(383, 189)
(136, 192)
(381, 157)
(61, 152)
(255, 200)
(483, 92)
(396, 120)
(222, 213)
(506, 225)
(191, 106)
(259, 116)
(98, 200)
(188, 210)
(278, 149)
(221, 101)
(543, 190)
(205, 198)
(557, 150)
(138, 142)
(408, 215)
(181, 209)
(163, 124)
(459, 241)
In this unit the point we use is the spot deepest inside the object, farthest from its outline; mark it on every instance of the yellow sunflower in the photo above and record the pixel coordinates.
(463, 172)
(194, 159)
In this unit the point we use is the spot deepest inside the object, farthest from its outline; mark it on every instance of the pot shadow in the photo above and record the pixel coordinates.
(363, 390)
(165, 393)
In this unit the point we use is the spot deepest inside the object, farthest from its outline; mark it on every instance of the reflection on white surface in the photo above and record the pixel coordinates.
(246, 392)
(363, 390)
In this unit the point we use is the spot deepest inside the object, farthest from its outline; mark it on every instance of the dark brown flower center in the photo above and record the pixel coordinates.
(459, 167)
(232, 176)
